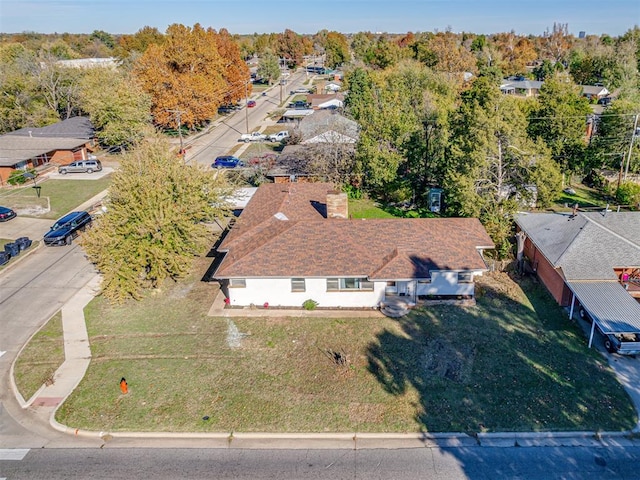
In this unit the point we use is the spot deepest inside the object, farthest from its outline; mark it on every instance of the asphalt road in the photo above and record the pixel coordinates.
(542, 463)
(31, 291)
(219, 140)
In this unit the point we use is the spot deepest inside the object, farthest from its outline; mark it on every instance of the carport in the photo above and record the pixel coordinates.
(609, 305)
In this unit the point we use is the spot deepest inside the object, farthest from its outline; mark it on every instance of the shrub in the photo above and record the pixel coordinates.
(309, 304)
(17, 177)
(628, 194)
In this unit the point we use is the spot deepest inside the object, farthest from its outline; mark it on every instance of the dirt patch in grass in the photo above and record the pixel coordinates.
(40, 359)
(511, 363)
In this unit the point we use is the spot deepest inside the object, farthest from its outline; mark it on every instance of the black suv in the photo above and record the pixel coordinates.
(66, 229)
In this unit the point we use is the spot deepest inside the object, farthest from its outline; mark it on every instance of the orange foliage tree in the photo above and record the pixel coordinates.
(188, 76)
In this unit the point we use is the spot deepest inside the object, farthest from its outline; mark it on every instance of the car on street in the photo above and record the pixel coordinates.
(81, 166)
(67, 228)
(251, 103)
(252, 137)
(279, 137)
(227, 161)
(6, 214)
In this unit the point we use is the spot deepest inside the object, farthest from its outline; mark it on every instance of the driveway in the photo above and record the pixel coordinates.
(626, 368)
(81, 176)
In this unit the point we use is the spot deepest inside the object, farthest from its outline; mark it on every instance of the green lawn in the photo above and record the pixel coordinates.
(57, 197)
(41, 358)
(513, 363)
(365, 208)
(585, 197)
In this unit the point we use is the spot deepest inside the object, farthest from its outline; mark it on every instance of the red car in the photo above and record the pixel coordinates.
(251, 103)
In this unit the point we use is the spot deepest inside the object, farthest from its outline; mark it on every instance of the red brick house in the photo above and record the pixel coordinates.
(60, 144)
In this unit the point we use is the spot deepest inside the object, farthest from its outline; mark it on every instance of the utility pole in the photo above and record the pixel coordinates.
(633, 135)
(246, 105)
(178, 114)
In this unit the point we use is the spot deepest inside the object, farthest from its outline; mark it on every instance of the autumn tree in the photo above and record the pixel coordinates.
(360, 43)
(235, 71)
(186, 76)
(118, 107)
(555, 44)
(450, 54)
(516, 52)
(155, 222)
(292, 47)
(336, 49)
(138, 42)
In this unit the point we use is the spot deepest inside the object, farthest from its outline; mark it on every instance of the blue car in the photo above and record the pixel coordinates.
(227, 161)
(66, 229)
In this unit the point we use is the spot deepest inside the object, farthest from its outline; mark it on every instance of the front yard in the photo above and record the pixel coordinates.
(513, 363)
(57, 197)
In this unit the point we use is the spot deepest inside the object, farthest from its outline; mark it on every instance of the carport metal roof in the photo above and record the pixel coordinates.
(609, 305)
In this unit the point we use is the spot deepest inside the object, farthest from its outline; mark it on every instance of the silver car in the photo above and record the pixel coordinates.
(81, 166)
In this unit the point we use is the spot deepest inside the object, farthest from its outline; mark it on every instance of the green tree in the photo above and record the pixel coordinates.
(269, 68)
(117, 106)
(154, 224)
(561, 121)
(492, 164)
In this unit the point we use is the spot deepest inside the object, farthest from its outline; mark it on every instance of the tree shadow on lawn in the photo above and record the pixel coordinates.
(508, 364)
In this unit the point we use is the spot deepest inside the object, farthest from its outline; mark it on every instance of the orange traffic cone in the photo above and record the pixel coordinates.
(123, 386)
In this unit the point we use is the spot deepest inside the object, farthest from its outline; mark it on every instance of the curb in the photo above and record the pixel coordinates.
(362, 441)
(23, 254)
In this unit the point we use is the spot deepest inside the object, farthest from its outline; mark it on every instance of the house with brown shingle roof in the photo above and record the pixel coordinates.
(296, 241)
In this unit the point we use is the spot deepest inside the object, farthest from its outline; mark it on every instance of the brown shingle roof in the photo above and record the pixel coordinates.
(303, 243)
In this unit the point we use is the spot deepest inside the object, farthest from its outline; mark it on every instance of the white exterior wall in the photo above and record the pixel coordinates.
(445, 283)
(277, 292)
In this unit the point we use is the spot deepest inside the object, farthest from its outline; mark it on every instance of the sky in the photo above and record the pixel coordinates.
(613, 17)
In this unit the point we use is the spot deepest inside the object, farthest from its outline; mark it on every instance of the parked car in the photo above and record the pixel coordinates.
(67, 228)
(279, 137)
(227, 161)
(81, 166)
(299, 90)
(6, 214)
(300, 105)
(606, 101)
(251, 103)
(253, 137)
(623, 344)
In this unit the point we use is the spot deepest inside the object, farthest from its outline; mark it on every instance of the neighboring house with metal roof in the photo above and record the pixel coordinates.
(60, 143)
(295, 242)
(328, 126)
(590, 260)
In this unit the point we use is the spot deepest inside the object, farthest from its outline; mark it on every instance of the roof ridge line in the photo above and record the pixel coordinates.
(557, 262)
(617, 235)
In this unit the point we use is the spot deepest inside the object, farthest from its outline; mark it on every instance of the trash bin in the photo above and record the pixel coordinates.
(24, 243)
(4, 258)
(13, 249)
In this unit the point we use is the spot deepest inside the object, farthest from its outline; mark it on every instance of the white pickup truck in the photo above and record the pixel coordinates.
(252, 137)
(279, 137)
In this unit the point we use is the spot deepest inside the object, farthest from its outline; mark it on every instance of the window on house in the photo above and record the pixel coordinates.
(424, 280)
(297, 285)
(465, 277)
(346, 284)
(237, 283)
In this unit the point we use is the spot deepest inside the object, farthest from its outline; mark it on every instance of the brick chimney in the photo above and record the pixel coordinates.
(337, 205)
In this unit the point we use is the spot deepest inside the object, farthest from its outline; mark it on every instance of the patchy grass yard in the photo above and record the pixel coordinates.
(366, 208)
(41, 358)
(57, 197)
(513, 363)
